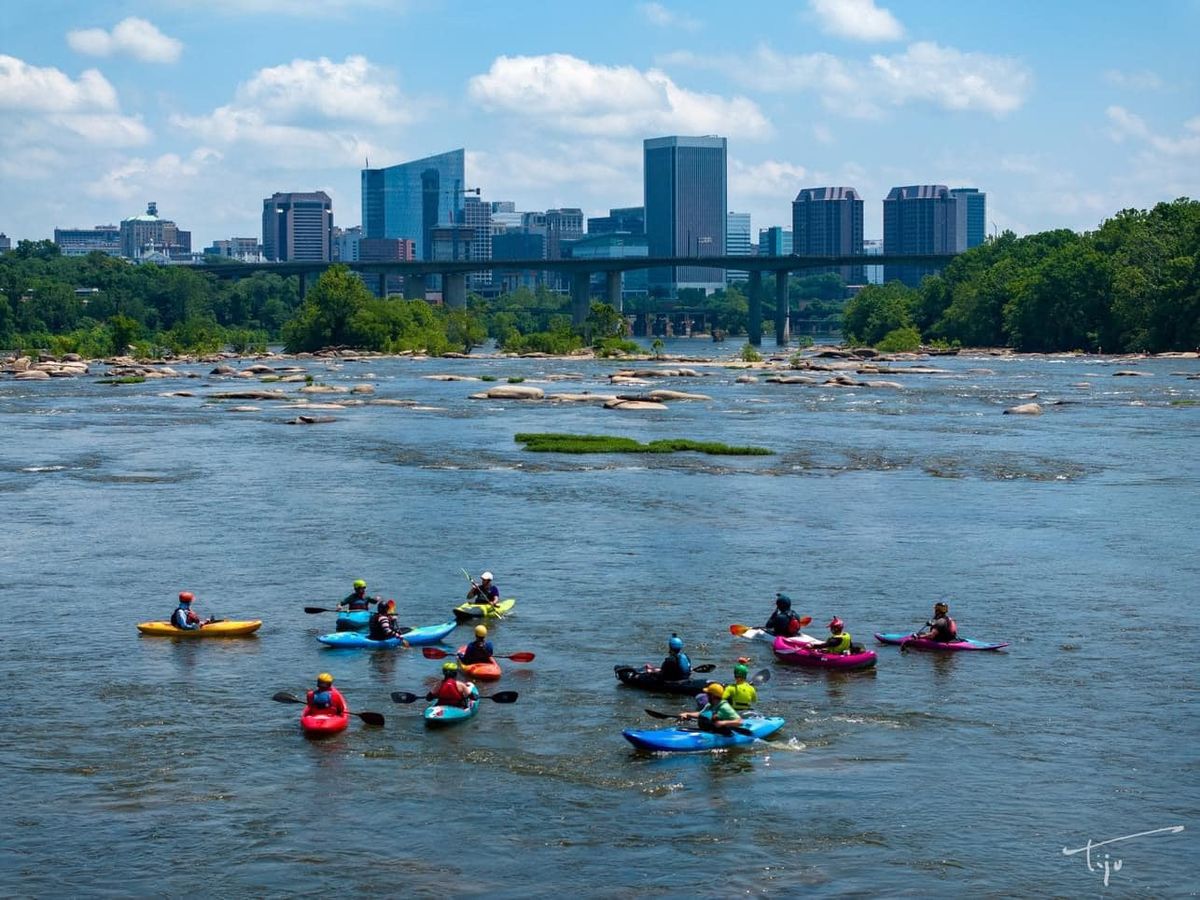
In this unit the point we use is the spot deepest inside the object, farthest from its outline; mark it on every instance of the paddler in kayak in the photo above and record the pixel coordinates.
(382, 624)
(358, 599)
(326, 700)
(741, 695)
(479, 650)
(184, 617)
(452, 692)
(838, 641)
(783, 622)
(719, 712)
(677, 666)
(485, 592)
(941, 627)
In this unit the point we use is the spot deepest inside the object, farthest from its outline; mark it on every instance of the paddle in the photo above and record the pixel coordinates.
(484, 600)
(319, 609)
(370, 718)
(435, 653)
(499, 697)
(904, 643)
(739, 729)
(740, 630)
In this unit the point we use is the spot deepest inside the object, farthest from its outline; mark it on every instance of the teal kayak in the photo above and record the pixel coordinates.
(353, 619)
(416, 637)
(687, 740)
(915, 643)
(438, 715)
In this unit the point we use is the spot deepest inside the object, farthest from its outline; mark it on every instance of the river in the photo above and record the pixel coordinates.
(143, 766)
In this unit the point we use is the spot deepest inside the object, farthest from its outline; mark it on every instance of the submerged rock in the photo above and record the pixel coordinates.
(618, 403)
(1025, 409)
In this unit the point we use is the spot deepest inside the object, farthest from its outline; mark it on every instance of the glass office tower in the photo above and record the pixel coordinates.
(410, 199)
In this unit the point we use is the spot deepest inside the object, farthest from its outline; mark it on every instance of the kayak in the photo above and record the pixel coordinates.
(437, 715)
(759, 634)
(797, 652)
(676, 739)
(917, 643)
(324, 723)
(353, 620)
(648, 681)
(484, 671)
(225, 628)
(417, 637)
(469, 612)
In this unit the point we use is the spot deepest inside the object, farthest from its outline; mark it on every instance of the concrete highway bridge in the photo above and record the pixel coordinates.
(454, 276)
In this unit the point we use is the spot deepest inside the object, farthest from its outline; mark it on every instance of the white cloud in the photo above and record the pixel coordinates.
(572, 95)
(770, 179)
(132, 36)
(309, 9)
(134, 178)
(859, 20)
(1144, 80)
(26, 87)
(657, 14)
(1129, 125)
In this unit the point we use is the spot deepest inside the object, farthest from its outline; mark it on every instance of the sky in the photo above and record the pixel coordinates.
(1063, 112)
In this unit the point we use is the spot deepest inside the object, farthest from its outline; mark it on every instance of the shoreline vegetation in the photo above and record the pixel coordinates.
(603, 443)
(1130, 287)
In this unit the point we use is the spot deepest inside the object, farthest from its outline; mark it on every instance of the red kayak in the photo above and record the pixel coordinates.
(484, 671)
(320, 724)
(798, 652)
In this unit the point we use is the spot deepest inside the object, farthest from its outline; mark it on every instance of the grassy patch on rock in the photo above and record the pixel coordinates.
(124, 379)
(604, 443)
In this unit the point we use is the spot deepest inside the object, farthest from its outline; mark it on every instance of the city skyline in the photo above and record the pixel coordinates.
(106, 109)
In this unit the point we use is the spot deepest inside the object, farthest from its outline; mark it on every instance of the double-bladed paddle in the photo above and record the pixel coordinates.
(498, 697)
(464, 616)
(703, 722)
(370, 718)
(435, 653)
(740, 630)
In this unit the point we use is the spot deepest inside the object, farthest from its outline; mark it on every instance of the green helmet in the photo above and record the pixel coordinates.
(449, 668)
(741, 670)
(359, 584)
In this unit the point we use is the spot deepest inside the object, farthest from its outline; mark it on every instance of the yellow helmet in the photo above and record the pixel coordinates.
(715, 690)
(324, 678)
(480, 631)
(359, 583)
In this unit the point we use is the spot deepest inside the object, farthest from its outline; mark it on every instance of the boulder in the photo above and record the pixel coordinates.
(259, 369)
(662, 395)
(244, 409)
(1025, 409)
(363, 389)
(633, 404)
(249, 395)
(791, 379)
(387, 401)
(514, 392)
(21, 363)
(1130, 372)
(323, 389)
(32, 375)
(450, 377)
(223, 370)
(883, 384)
(310, 420)
(746, 379)
(583, 397)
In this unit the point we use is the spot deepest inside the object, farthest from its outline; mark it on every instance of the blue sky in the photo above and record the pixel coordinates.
(1064, 112)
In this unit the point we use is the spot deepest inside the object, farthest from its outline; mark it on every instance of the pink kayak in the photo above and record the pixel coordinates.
(798, 652)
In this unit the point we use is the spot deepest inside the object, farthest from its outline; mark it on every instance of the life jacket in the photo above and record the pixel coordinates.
(450, 693)
(321, 699)
(183, 617)
(675, 667)
(741, 695)
(478, 651)
(947, 633)
(793, 624)
(843, 644)
(356, 602)
(380, 627)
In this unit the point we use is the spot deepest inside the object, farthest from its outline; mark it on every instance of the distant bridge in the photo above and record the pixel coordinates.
(454, 275)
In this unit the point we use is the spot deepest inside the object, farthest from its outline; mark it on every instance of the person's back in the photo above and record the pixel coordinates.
(942, 628)
(326, 700)
(783, 621)
(485, 591)
(676, 667)
(742, 695)
(452, 692)
(380, 626)
(478, 651)
(184, 617)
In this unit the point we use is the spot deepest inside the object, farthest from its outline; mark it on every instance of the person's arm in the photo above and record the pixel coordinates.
(494, 596)
(339, 702)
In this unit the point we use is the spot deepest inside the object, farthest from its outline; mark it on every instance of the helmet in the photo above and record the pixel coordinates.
(744, 660)
(783, 601)
(741, 670)
(941, 608)
(480, 631)
(391, 604)
(186, 597)
(836, 624)
(715, 690)
(324, 678)
(381, 606)
(449, 668)
(676, 642)
(359, 584)
(486, 576)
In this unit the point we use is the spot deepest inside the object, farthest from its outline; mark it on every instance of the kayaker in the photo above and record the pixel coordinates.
(941, 627)
(677, 666)
(479, 650)
(184, 617)
(838, 641)
(326, 700)
(783, 622)
(358, 599)
(484, 592)
(382, 624)
(719, 712)
(741, 695)
(452, 692)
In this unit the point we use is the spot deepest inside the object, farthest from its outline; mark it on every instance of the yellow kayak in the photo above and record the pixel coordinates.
(224, 628)
(476, 611)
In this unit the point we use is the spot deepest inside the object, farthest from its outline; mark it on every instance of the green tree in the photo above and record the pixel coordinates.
(324, 318)
(124, 331)
(877, 310)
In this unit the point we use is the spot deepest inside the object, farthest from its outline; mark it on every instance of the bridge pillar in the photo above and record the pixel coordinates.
(383, 285)
(454, 290)
(414, 287)
(303, 276)
(581, 296)
(781, 309)
(754, 324)
(612, 281)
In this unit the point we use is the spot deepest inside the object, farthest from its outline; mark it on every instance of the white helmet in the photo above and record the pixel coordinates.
(486, 576)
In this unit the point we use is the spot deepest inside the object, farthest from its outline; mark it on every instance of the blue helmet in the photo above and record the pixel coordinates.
(783, 601)
(676, 642)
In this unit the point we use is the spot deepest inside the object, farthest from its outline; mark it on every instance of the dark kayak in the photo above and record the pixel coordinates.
(647, 681)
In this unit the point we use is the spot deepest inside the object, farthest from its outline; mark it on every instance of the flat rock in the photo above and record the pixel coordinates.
(1025, 409)
(746, 379)
(324, 389)
(363, 389)
(662, 395)
(388, 401)
(310, 420)
(790, 379)
(618, 403)
(1130, 372)
(32, 375)
(450, 377)
(514, 392)
(584, 397)
(244, 409)
(249, 395)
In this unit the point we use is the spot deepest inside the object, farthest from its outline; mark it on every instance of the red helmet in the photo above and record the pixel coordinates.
(186, 597)
(836, 624)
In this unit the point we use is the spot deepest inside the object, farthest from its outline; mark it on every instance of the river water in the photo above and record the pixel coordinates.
(144, 766)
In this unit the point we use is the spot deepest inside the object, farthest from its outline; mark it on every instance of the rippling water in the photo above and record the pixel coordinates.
(145, 766)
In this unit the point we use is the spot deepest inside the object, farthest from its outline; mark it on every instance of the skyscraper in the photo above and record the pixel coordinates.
(774, 241)
(410, 199)
(828, 221)
(687, 206)
(921, 218)
(298, 226)
(631, 219)
(737, 242)
(976, 201)
(478, 214)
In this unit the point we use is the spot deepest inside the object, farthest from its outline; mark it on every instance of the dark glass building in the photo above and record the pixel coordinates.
(828, 221)
(687, 208)
(921, 218)
(628, 219)
(976, 201)
(410, 199)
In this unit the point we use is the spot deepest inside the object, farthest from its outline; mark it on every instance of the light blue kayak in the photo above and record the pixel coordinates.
(430, 634)
(916, 643)
(438, 715)
(687, 740)
(353, 620)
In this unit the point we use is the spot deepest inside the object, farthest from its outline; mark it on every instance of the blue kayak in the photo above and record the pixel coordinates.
(430, 634)
(687, 740)
(353, 619)
(915, 643)
(438, 715)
